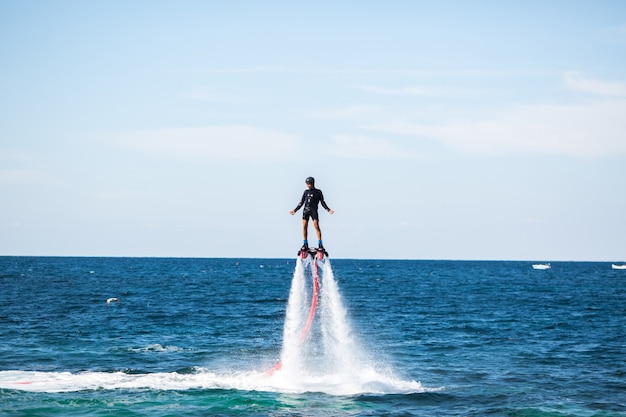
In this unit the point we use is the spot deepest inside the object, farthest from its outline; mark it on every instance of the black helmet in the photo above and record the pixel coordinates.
(310, 180)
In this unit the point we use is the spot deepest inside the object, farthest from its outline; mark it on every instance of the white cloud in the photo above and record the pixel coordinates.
(24, 177)
(247, 70)
(118, 195)
(619, 30)
(404, 91)
(345, 113)
(576, 81)
(210, 94)
(364, 147)
(15, 155)
(235, 142)
(590, 130)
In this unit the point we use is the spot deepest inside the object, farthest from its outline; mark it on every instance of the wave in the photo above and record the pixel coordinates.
(155, 347)
(367, 381)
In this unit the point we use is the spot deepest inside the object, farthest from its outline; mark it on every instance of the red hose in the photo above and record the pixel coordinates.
(316, 287)
(312, 310)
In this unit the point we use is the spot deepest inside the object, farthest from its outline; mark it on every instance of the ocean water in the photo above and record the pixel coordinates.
(240, 337)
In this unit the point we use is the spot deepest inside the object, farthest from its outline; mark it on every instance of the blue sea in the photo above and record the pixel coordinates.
(229, 337)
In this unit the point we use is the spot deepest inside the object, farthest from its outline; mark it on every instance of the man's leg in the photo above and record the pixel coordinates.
(305, 228)
(316, 224)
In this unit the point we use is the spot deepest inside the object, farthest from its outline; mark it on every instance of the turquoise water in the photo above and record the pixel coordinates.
(197, 337)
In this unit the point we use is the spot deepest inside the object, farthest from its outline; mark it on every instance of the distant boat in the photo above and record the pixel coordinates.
(542, 266)
(618, 266)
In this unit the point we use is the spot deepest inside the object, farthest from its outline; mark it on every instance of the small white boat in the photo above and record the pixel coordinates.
(618, 266)
(542, 266)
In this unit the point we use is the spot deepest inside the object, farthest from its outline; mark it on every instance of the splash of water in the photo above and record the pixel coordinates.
(330, 358)
(341, 351)
(330, 347)
(294, 320)
(202, 378)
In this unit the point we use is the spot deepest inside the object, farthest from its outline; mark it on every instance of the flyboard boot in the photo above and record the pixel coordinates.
(304, 251)
(318, 253)
(321, 252)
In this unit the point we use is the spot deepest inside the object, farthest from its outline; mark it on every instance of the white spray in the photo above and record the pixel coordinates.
(294, 320)
(329, 354)
(340, 348)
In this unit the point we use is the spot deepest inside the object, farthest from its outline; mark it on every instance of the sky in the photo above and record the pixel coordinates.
(460, 130)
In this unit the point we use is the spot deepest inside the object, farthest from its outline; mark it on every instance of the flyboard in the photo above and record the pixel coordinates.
(315, 255)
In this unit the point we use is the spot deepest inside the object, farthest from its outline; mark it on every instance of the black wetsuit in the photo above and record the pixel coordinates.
(311, 199)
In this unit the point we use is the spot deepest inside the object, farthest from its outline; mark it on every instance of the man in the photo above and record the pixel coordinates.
(311, 199)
